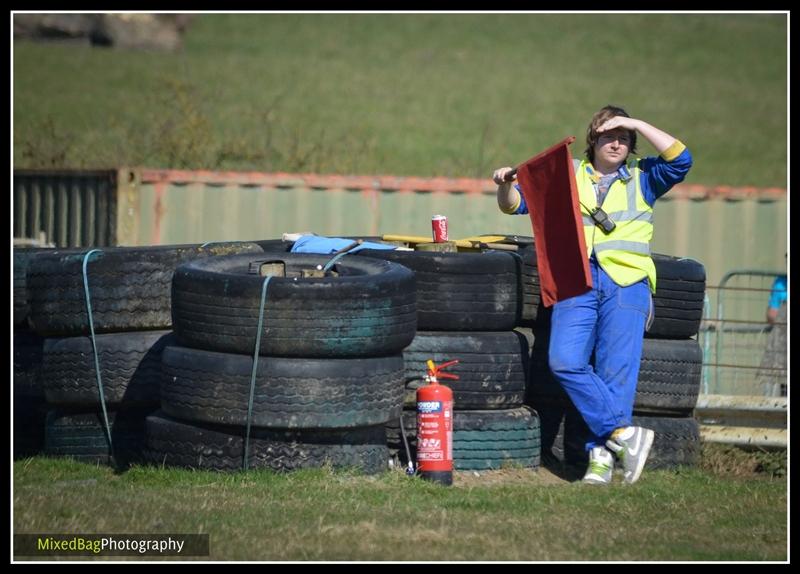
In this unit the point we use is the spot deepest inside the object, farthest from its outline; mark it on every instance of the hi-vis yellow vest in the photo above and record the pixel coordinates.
(625, 252)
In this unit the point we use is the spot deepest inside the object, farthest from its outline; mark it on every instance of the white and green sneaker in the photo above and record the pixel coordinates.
(631, 445)
(601, 466)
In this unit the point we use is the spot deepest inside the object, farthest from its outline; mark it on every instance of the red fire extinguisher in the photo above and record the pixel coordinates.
(435, 426)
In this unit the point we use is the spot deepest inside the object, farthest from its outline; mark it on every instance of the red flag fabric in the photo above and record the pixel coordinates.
(548, 186)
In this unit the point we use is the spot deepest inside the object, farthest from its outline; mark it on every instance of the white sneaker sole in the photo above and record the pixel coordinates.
(596, 481)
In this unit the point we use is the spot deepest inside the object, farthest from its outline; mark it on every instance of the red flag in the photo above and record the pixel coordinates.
(548, 186)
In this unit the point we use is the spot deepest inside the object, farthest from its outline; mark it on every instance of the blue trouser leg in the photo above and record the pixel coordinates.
(609, 321)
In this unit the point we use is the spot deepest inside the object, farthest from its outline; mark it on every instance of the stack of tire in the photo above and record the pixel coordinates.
(28, 396)
(129, 294)
(669, 375)
(467, 306)
(329, 369)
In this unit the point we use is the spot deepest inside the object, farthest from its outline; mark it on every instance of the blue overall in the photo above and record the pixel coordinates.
(609, 320)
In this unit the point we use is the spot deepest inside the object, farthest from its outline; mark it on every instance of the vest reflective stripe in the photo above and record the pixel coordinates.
(632, 246)
(632, 216)
(625, 252)
(630, 189)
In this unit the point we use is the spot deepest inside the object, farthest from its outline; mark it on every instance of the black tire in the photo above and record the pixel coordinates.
(669, 377)
(130, 369)
(482, 440)
(28, 401)
(28, 427)
(19, 294)
(679, 297)
(491, 370)
(28, 365)
(551, 421)
(82, 435)
(22, 258)
(461, 291)
(369, 309)
(677, 440)
(215, 447)
(129, 287)
(531, 288)
(530, 299)
(564, 435)
(205, 386)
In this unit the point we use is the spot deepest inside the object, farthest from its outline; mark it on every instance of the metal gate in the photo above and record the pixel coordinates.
(743, 353)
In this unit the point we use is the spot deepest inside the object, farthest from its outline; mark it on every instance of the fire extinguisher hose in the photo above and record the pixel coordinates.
(410, 468)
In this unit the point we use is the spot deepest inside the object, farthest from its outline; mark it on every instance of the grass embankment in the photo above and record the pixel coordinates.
(409, 94)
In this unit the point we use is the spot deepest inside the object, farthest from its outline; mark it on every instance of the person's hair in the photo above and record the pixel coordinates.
(598, 120)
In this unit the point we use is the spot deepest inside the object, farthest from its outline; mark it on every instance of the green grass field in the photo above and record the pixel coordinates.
(733, 507)
(409, 94)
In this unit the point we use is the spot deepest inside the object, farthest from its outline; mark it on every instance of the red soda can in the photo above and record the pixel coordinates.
(439, 225)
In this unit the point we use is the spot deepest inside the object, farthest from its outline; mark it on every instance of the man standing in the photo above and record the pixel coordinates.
(616, 195)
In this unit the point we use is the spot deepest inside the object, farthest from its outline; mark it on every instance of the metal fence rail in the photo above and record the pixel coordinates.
(743, 420)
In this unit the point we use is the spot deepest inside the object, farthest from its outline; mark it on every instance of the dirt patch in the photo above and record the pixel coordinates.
(510, 476)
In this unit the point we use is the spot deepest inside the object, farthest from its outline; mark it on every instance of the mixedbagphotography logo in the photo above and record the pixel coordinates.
(111, 545)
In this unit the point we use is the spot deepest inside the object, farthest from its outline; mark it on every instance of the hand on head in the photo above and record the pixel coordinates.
(617, 122)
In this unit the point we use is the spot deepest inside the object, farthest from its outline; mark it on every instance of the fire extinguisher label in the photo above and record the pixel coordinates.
(429, 443)
(429, 406)
(433, 455)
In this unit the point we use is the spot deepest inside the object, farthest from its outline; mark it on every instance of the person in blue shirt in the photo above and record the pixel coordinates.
(609, 320)
(772, 373)
(777, 296)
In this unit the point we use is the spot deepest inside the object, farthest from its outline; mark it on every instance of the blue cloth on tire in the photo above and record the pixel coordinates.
(326, 245)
